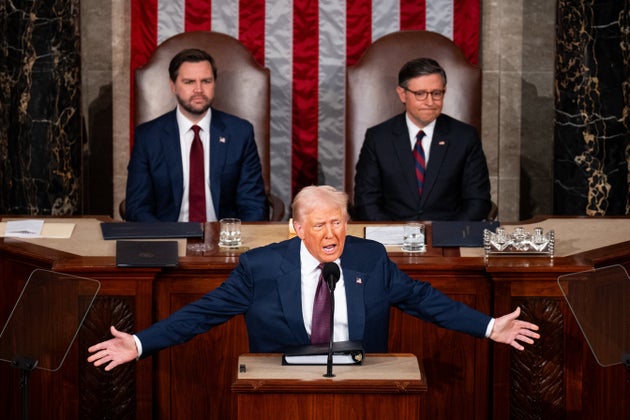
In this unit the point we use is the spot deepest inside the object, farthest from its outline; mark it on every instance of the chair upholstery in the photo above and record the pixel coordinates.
(242, 89)
(371, 86)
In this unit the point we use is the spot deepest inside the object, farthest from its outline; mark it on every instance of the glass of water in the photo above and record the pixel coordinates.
(413, 237)
(230, 232)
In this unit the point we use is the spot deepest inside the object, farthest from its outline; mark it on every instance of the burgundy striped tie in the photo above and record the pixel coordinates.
(418, 155)
(320, 326)
(196, 181)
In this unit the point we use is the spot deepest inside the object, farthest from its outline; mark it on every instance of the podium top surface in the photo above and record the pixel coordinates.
(388, 372)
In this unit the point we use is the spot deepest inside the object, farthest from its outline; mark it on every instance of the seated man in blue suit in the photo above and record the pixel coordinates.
(273, 286)
(161, 171)
(450, 180)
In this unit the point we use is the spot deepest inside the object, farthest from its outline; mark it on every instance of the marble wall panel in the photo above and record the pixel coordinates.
(536, 152)
(40, 134)
(592, 130)
(121, 79)
(97, 103)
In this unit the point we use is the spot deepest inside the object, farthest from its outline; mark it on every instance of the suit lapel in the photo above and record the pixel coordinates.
(354, 284)
(402, 148)
(173, 155)
(218, 150)
(439, 147)
(290, 291)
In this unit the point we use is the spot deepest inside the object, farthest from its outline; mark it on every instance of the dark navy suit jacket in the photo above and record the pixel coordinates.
(456, 183)
(266, 288)
(155, 182)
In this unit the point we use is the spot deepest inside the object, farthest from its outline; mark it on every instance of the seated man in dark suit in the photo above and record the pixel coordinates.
(444, 177)
(275, 287)
(195, 163)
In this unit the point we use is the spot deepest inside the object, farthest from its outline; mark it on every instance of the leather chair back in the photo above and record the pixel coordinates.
(371, 83)
(243, 86)
(242, 89)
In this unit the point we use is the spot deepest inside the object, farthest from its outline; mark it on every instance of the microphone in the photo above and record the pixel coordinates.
(331, 275)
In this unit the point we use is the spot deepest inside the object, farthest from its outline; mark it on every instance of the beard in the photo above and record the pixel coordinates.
(195, 109)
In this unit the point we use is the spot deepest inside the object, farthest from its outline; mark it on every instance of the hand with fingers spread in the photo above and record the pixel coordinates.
(510, 330)
(115, 351)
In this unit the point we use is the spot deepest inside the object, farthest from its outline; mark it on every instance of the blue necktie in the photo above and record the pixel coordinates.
(418, 156)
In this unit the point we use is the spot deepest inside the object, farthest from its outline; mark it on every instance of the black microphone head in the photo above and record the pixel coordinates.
(331, 274)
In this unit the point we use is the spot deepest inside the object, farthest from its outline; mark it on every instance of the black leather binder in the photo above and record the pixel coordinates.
(460, 234)
(146, 253)
(344, 353)
(151, 230)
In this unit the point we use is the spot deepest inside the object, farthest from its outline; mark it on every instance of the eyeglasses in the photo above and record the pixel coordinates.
(421, 95)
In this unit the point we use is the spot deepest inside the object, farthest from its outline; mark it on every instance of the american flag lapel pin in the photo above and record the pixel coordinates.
(358, 280)
(441, 143)
(221, 139)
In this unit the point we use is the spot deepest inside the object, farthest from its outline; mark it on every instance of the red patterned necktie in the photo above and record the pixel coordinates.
(196, 181)
(418, 155)
(320, 327)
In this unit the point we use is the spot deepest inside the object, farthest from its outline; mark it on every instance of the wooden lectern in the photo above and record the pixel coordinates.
(384, 386)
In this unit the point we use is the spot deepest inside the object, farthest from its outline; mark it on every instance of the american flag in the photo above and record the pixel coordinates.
(306, 44)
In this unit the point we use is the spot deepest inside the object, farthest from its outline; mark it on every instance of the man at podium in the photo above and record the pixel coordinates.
(275, 288)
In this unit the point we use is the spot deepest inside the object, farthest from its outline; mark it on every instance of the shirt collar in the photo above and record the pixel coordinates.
(308, 261)
(185, 124)
(413, 129)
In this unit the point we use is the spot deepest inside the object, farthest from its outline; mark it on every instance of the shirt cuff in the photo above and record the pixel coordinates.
(139, 346)
(488, 328)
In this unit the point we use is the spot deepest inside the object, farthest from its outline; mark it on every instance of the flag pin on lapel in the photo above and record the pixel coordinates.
(358, 280)
(221, 139)
(441, 143)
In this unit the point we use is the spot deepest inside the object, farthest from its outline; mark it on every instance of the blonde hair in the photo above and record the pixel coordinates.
(312, 197)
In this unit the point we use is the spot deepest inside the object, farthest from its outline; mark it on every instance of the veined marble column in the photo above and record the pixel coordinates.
(592, 118)
(40, 108)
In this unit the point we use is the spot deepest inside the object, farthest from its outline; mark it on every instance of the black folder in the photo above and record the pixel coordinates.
(146, 253)
(344, 353)
(460, 234)
(151, 230)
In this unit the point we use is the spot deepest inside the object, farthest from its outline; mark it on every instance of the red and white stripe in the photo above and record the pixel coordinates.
(306, 45)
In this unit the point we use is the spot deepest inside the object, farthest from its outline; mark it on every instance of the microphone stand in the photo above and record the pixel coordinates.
(26, 366)
(329, 362)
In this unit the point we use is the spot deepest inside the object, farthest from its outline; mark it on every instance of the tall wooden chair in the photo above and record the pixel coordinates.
(371, 86)
(243, 89)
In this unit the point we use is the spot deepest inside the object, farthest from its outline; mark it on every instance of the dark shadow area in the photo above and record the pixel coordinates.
(98, 155)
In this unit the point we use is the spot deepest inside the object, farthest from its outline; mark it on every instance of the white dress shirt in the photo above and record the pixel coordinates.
(310, 278)
(426, 140)
(186, 136)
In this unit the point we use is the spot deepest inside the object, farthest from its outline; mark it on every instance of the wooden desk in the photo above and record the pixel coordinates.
(385, 386)
(468, 378)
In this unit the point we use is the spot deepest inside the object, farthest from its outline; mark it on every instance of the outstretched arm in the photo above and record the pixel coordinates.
(508, 329)
(113, 352)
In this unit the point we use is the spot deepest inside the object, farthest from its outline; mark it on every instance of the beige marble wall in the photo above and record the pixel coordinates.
(105, 35)
(517, 63)
(537, 98)
(500, 61)
(121, 29)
